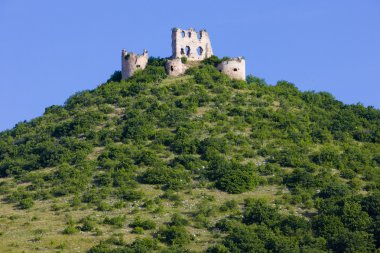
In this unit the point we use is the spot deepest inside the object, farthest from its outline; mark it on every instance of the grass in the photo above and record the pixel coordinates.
(40, 228)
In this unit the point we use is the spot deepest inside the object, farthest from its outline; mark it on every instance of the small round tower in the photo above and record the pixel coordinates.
(130, 62)
(234, 68)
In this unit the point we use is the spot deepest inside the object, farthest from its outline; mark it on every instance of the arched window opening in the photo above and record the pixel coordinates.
(138, 66)
(199, 35)
(200, 51)
(187, 50)
(183, 34)
(235, 69)
(189, 33)
(182, 51)
(171, 68)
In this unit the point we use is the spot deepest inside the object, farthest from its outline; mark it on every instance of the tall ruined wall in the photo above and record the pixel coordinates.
(234, 68)
(130, 62)
(188, 43)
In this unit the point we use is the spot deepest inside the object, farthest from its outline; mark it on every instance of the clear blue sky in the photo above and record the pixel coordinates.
(51, 49)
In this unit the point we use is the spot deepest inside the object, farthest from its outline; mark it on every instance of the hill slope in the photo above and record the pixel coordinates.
(193, 163)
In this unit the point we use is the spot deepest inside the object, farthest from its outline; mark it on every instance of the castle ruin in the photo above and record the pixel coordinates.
(187, 45)
(130, 62)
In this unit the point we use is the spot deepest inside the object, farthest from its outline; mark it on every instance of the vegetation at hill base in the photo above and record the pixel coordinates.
(196, 163)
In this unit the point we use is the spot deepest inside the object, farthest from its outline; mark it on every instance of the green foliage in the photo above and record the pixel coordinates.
(70, 229)
(178, 220)
(192, 134)
(88, 224)
(259, 212)
(174, 235)
(253, 80)
(145, 224)
(26, 203)
(156, 61)
(115, 77)
(171, 178)
(184, 60)
(231, 177)
(117, 221)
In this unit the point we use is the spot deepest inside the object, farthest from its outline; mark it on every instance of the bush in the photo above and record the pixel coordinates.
(144, 224)
(178, 220)
(117, 221)
(88, 224)
(115, 77)
(172, 178)
(258, 212)
(130, 195)
(174, 235)
(26, 203)
(137, 230)
(217, 249)
(70, 229)
(156, 61)
(237, 181)
(229, 205)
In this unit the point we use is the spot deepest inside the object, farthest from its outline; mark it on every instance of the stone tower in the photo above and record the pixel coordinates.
(234, 68)
(130, 62)
(188, 43)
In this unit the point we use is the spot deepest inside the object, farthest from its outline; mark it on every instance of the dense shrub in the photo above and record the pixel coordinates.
(145, 224)
(172, 178)
(117, 221)
(174, 235)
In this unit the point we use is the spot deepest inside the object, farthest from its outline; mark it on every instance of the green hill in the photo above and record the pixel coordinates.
(192, 164)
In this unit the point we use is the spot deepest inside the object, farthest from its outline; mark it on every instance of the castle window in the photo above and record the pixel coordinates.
(199, 35)
(183, 34)
(189, 33)
(187, 50)
(171, 68)
(235, 69)
(138, 66)
(182, 51)
(200, 51)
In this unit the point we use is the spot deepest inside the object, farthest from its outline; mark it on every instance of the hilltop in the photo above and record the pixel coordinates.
(198, 162)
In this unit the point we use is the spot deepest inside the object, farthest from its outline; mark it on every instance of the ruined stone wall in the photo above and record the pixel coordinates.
(188, 43)
(175, 67)
(130, 62)
(234, 68)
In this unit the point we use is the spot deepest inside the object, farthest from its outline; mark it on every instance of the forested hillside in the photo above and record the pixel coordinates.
(197, 163)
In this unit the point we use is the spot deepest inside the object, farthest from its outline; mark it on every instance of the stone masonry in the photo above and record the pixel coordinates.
(175, 67)
(130, 62)
(234, 68)
(190, 44)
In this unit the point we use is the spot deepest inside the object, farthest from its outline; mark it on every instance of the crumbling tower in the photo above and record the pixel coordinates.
(130, 62)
